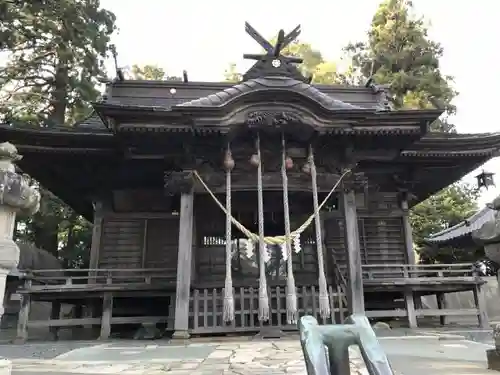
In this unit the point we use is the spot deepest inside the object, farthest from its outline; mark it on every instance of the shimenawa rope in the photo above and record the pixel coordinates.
(324, 302)
(263, 297)
(274, 240)
(291, 296)
(228, 311)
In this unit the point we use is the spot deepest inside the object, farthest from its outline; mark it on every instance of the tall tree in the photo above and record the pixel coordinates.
(151, 73)
(399, 53)
(56, 49)
(55, 52)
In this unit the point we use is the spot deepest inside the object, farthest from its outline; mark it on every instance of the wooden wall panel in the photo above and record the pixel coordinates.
(121, 243)
(135, 242)
(162, 243)
(380, 226)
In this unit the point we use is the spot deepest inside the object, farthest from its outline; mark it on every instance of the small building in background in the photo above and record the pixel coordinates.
(459, 238)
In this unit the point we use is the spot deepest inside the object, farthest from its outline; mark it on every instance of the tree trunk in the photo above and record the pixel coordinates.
(46, 237)
(59, 97)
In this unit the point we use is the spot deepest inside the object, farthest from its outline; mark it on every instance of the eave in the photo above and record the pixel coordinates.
(179, 119)
(463, 229)
(445, 145)
(59, 140)
(44, 149)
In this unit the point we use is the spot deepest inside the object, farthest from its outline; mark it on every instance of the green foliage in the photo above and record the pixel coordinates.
(151, 73)
(55, 53)
(56, 49)
(448, 207)
(399, 53)
(231, 74)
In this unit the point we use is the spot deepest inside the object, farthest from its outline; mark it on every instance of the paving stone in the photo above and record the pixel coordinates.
(184, 366)
(296, 370)
(238, 358)
(215, 361)
(215, 367)
(209, 372)
(296, 362)
(241, 358)
(228, 346)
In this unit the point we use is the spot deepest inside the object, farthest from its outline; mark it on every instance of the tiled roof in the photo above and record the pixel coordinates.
(464, 228)
(271, 84)
(92, 122)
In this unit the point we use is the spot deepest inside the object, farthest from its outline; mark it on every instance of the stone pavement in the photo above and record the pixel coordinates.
(205, 358)
(433, 353)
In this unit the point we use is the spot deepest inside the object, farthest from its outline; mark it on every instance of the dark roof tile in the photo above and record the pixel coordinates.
(271, 84)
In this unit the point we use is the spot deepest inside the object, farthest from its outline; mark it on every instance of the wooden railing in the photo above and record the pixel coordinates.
(71, 279)
(458, 271)
(206, 308)
(75, 277)
(326, 348)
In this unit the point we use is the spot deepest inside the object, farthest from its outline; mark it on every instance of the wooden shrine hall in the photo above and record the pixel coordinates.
(238, 207)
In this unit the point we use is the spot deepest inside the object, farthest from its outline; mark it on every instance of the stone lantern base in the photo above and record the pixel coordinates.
(5, 366)
(493, 357)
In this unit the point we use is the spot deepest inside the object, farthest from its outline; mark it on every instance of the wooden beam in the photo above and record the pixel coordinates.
(354, 266)
(184, 266)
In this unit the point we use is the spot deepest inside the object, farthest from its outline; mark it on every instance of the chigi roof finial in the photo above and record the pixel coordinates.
(271, 62)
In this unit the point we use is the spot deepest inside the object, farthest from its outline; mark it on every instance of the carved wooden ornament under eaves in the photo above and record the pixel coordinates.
(272, 119)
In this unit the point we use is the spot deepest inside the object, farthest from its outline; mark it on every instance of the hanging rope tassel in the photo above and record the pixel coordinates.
(291, 293)
(228, 311)
(263, 255)
(324, 302)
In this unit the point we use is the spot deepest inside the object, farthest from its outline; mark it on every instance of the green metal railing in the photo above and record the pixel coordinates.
(326, 347)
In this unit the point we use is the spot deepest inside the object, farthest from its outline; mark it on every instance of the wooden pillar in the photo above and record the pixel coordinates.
(107, 312)
(410, 308)
(408, 233)
(410, 299)
(441, 305)
(55, 314)
(93, 309)
(480, 303)
(184, 266)
(77, 313)
(96, 235)
(355, 272)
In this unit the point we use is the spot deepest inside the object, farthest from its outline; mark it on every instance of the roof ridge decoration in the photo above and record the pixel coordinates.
(272, 62)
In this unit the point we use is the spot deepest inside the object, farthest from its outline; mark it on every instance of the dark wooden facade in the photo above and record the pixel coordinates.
(158, 234)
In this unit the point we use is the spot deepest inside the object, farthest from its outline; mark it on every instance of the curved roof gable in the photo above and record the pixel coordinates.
(264, 85)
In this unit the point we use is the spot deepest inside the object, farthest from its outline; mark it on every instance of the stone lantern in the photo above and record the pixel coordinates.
(16, 195)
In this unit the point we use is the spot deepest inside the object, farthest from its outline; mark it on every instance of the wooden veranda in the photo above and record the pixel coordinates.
(101, 292)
